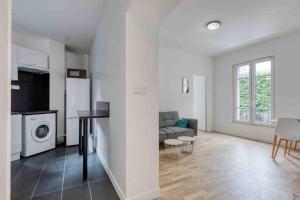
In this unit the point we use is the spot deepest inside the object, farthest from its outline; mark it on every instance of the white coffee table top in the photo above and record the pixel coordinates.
(186, 139)
(173, 142)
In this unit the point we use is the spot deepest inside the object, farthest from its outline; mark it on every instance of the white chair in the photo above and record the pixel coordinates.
(287, 130)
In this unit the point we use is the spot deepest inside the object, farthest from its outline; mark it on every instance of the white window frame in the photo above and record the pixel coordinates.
(235, 77)
(252, 74)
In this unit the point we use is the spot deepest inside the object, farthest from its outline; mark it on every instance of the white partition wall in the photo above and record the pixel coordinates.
(5, 57)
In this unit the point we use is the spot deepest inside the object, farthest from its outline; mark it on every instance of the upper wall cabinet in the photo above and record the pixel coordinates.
(32, 59)
(14, 63)
(76, 61)
(71, 60)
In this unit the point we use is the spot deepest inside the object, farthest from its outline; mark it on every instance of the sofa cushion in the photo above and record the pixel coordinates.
(176, 135)
(162, 132)
(169, 122)
(183, 123)
(167, 119)
(175, 129)
(174, 132)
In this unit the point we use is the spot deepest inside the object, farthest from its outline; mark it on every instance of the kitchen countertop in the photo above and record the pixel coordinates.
(35, 112)
(93, 114)
(15, 113)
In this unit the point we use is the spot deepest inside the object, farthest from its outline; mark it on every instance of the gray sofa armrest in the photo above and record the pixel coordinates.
(193, 123)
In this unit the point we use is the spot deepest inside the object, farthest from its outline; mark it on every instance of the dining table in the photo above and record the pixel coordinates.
(84, 117)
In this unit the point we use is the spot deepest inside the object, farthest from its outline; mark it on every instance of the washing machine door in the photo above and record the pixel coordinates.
(41, 132)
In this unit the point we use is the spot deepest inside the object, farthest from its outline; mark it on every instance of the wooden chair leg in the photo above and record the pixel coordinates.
(274, 145)
(291, 143)
(277, 149)
(286, 147)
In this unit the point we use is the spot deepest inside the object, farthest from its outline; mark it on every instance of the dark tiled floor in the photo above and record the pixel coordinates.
(57, 175)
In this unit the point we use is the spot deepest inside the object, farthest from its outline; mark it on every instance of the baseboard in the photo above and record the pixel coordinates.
(146, 195)
(243, 137)
(15, 156)
(111, 177)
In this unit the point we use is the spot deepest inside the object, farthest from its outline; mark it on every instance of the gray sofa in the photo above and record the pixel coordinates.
(168, 130)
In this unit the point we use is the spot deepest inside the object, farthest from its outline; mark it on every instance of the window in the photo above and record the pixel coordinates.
(254, 92)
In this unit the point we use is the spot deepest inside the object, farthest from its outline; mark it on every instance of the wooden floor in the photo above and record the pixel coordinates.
(229, 168)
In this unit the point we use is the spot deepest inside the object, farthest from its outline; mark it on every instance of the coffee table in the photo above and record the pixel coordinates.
(188, 144)
(173, 146)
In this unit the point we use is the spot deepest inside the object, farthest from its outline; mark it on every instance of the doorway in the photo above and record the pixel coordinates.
(200, 101)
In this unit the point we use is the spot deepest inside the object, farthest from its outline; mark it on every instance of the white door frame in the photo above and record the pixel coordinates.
(5, 85)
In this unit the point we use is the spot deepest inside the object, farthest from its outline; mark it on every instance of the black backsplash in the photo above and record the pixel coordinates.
(33, 94)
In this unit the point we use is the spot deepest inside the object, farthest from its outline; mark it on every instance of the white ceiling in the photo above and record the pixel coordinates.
(152, 9)
(244, 22)
(73, 22)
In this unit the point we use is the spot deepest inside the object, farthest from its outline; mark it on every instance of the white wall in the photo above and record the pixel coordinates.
(127, 77)
(107, 67)
(124, 69)
(287, 96)
(173, 65)
(142, 144)
(57, 83)
(199, 98)
(5, 57)
(56, 52)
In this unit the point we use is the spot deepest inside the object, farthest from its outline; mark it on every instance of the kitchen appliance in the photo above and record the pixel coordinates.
(77, 99)
(76, 73)
(39, 133)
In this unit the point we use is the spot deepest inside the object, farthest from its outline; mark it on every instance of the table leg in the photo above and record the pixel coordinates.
(274, 145)
(85, 149)
(80, 136)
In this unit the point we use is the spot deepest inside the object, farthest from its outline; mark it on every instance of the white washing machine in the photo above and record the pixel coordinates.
(38, 134)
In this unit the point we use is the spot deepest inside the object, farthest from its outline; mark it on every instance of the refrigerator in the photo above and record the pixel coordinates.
(77, 99)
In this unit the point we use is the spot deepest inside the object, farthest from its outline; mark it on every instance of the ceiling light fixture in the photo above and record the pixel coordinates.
(213, 25)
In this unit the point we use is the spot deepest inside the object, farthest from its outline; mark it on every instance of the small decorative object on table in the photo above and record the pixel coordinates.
(188, 144)
(172, 147)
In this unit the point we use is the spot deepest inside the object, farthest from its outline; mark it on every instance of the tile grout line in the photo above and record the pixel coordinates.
(20, 171)
(76, 166)
(63, 179)
(41, 194)
(90, 190)
(66, 188)
(44, 165)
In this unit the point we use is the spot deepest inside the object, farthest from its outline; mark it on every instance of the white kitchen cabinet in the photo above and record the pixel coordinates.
(83, 61)
(71, 60)
(32, 59)
(14, 63)
(76, 61)
(16, 136)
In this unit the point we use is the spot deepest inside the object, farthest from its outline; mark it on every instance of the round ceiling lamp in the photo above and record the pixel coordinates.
(213, 25)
